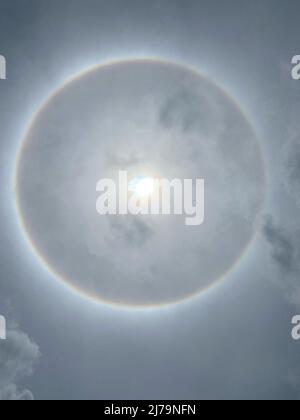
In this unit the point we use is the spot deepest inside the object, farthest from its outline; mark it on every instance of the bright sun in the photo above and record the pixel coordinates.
(142, 186)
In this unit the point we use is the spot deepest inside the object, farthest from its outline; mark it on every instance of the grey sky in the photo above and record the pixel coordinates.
(234, 341)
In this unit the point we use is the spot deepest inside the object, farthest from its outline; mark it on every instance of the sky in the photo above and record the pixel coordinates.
(230, 342)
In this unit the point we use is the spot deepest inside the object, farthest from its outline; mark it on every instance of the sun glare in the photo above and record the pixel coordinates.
(142, 186)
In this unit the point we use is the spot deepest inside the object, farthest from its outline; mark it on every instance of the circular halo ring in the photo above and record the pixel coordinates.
(58, 276)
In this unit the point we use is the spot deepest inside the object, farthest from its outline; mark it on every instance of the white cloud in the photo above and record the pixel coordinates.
(18, 355)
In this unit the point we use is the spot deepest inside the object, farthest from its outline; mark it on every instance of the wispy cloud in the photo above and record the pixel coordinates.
(18, 356)
(285, 252)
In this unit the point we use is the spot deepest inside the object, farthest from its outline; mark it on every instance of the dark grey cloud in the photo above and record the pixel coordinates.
(135, 231)
(282, 232)
(18, 357)
(187, 111)
(291, 163)
(283, 249)
(285, 252)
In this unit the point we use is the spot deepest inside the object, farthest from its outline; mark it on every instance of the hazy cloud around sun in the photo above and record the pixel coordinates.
(152, 119)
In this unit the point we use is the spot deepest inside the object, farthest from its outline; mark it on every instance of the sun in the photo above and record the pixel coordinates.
(142, 186)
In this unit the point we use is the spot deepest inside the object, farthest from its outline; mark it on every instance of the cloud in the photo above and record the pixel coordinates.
(290, 171)
(285, 242)
(150, 119)
(285, 252)
(135, 231)
(18, 356)
(187, 111)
